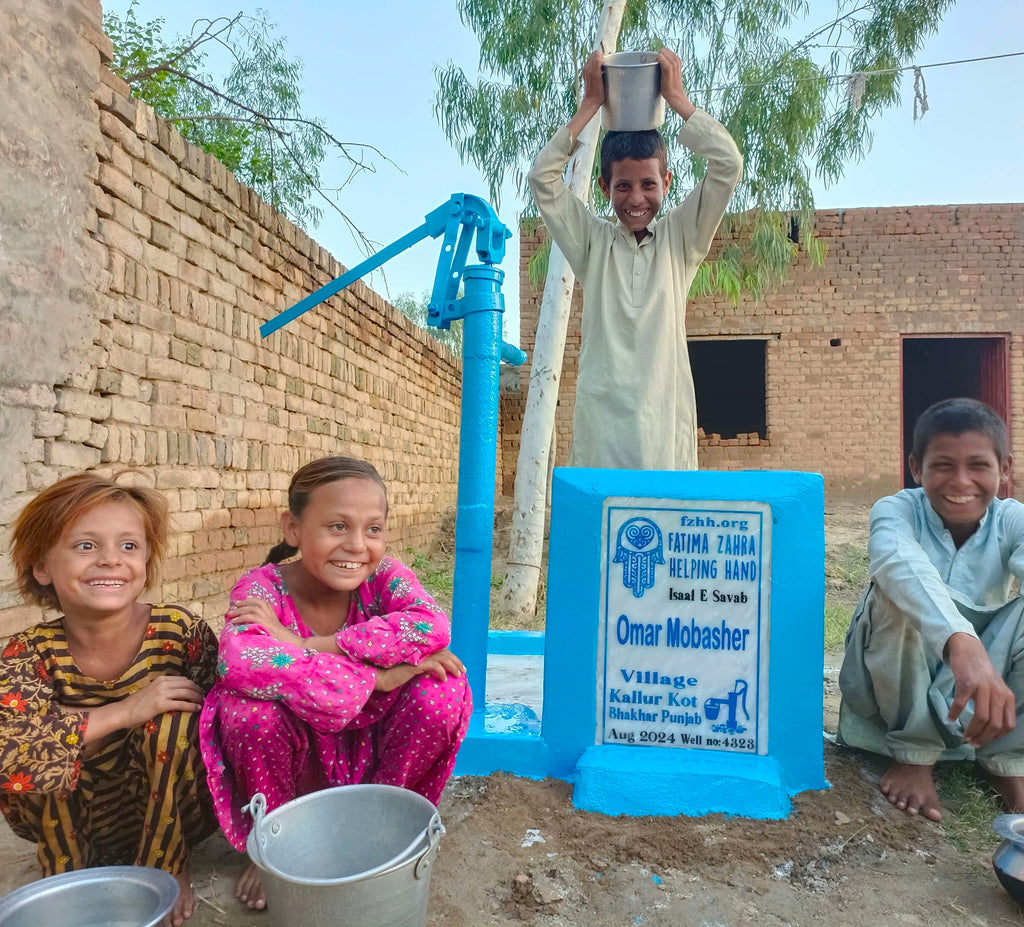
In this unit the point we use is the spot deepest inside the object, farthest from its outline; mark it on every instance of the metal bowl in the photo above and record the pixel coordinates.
(107, 896)
(1008, 859)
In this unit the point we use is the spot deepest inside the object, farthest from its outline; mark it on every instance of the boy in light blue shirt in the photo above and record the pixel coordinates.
(935, 650)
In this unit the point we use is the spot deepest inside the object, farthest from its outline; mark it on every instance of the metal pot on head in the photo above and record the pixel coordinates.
(632, 92)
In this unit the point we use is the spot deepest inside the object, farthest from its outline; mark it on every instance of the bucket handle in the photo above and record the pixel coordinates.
(257, 808)
(435, 830)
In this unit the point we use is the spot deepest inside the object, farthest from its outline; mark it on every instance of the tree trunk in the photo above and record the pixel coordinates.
(519, 590)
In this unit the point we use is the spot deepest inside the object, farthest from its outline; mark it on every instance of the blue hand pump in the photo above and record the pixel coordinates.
(483, 349)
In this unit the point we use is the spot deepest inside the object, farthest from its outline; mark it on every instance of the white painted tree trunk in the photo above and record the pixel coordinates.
(519, 590)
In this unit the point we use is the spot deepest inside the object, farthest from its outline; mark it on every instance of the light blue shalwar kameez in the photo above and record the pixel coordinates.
(923, 589)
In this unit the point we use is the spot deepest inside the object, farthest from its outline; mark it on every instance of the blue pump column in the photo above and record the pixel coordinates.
(482, 305)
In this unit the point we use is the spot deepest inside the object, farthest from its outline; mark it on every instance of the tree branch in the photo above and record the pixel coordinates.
(365, 243)
(204, 36)
(828, 27)
(270, 122)
(263, 121)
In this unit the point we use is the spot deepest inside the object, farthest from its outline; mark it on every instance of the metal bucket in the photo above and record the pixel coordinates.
(632, 92)
(349, 856)
(1008, 859)
(106, 896)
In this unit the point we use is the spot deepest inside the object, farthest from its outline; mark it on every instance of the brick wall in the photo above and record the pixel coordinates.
(134, 276)
(836, 409)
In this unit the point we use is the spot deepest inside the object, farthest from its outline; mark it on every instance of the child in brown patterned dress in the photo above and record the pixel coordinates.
(99, 757)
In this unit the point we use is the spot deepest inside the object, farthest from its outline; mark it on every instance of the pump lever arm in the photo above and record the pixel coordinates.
(434, 224)
(462, 217)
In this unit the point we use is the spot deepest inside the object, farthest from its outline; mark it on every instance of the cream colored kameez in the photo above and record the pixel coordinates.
(635, 404)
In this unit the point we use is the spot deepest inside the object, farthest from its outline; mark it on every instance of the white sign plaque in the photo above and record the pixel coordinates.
(684, 624)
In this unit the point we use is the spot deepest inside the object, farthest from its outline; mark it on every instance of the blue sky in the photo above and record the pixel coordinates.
(368, 73)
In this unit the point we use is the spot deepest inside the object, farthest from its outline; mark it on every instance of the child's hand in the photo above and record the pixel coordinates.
(163, 694)
(672, 83)
(394, 677)
(593, 82)
(995, 710)
(440, 665)
(593, 95)
(256, 611)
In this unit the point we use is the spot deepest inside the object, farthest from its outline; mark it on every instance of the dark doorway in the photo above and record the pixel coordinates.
(936, 368)
(729, 385)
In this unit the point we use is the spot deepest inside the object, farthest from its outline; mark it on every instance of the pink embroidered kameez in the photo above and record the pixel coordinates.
(286, 721)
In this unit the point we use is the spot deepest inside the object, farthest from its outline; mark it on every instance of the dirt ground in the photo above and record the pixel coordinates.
(517, 851)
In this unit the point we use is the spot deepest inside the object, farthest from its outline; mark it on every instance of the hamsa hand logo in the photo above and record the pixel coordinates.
(638, 549)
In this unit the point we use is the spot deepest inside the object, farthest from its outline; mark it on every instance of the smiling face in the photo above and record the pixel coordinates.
(636, 190)
(340, 534)
(98, 567)
(961, 475)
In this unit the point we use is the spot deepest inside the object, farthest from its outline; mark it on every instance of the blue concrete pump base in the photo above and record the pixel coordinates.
(678, 782)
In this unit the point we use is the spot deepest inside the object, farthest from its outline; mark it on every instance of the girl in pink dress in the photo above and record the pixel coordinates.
(334, 667)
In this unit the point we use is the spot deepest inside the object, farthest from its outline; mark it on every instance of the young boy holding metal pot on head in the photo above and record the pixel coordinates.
(635, 406)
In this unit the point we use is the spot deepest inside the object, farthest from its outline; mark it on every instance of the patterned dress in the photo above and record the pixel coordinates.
(287, 721)
(141, 798)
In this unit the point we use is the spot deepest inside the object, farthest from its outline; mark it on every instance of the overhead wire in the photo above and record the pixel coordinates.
(852, 74)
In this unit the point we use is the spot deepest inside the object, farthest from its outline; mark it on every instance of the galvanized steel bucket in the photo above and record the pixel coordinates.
(349, 856)
(1008, 859)
(104, 896)
(632, 92)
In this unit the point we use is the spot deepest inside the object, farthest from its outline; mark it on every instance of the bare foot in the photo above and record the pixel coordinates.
(912, 789)
(1012, 790)
(185, 906)
(249, 889)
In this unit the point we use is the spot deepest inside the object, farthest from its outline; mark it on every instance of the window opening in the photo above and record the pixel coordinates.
(729, 384)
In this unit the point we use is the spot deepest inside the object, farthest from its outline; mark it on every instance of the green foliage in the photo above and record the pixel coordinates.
(837, 622)
(436, 575)
(847, 569)
(140, 49)
(250, 118)
(971, 806)
(416, 310)
(773, 76)
(846, 577)
(537, 265)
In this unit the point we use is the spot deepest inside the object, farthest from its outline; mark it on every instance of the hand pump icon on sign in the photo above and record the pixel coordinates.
(734, 699)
